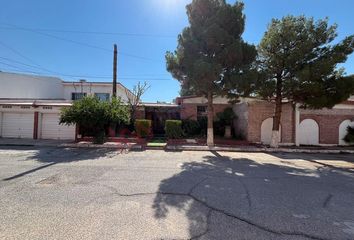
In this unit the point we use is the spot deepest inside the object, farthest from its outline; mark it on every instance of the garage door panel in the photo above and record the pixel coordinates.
(18, 125)
(51, 129)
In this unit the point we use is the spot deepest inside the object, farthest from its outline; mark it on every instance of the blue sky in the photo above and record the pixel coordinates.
(147, 29)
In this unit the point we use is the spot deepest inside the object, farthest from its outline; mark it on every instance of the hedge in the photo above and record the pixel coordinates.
(191, 127)
(142, 127)
(349, 138)
(173, 129)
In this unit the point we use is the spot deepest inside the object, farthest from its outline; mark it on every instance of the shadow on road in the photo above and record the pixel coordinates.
(51, 156)
(239, 189)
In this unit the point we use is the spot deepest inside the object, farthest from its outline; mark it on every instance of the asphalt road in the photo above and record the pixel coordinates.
(56, 193)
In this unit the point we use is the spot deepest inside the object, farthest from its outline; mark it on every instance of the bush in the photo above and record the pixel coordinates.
(203, 123)
(173, 129)
(226, 117)
(191, 127)
(349, 138)
(93, 115)
(142, 127)
(99, 138)
(219, 128)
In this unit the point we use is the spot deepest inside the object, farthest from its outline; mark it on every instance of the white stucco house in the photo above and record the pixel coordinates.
(30, 105)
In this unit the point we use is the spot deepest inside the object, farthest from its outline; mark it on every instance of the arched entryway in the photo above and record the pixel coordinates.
(266, 131)
(343, 131)
(309, 132)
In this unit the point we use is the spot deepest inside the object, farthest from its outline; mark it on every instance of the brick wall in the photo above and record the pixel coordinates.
(258, 111)
(189, 110)
(328, 121)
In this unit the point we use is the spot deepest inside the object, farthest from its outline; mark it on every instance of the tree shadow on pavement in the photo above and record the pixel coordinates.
(50, 156)
(238, 198)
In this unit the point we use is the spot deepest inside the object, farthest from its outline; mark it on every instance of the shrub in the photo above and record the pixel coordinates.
(93, 115)
(191, 127)
(142, 127)
(173, 129)
(219, 128)
(226, 117)
(99, 137)
(349, 138)
(203, 123)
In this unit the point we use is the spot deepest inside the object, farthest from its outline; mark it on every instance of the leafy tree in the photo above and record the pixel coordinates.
(211, 55)
(298, 64)
(91, 113)
(185, 92)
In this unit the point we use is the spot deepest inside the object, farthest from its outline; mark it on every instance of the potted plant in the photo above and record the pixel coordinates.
(226, 117)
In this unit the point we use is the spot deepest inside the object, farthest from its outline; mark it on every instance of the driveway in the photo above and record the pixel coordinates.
(58, 193)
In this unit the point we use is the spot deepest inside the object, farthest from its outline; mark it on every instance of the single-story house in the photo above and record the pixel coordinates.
(298, 126)
(30, 107)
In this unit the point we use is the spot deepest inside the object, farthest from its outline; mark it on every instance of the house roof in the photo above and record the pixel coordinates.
(37, 102)
(145, 104)
(96, 83)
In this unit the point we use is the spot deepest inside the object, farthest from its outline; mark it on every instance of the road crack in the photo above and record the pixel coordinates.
(327, 200)
(218, 210)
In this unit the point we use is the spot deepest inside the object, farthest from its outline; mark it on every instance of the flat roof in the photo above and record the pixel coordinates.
(146, 104)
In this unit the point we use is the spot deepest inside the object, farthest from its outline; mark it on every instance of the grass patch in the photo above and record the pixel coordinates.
(156, 144)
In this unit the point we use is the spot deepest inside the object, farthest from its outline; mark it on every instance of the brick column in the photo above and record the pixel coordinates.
(35, 126)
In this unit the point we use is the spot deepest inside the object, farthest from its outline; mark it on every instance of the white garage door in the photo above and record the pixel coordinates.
(17, 125)
(51, 129)
(343, 131)
(266, 131)
(309, 132)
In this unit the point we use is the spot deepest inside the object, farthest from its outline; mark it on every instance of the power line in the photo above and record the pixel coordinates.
(80, 43)
(93, 32)
(21, 70)
(83, 76)
(18, 53)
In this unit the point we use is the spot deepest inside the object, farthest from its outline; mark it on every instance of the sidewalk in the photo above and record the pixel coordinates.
(332, 150)
(172, 147)
(32, 142)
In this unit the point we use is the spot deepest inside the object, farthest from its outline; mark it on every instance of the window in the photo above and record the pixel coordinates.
(201, 111)
(25, 107)
(47, 107)
(102, 96)
(6, 106)
(77, 96)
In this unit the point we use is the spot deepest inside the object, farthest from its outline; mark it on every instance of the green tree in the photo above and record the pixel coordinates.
(93, 114)
(298, 64)
(211, 55)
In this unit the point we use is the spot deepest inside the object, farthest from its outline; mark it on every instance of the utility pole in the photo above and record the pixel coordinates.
(115, 71)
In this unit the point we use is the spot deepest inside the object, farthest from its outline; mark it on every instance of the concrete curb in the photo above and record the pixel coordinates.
(138, 147)
(257, 149)
(106, 145)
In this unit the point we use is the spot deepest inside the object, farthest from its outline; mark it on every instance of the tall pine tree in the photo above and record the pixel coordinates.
(298, 64)
(211, 55)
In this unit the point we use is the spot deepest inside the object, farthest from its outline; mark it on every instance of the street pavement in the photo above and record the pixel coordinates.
(64, 193)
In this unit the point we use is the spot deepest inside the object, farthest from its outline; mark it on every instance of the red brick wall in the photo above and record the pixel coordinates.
(189, 110)
(328, 121)
(259, 111)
